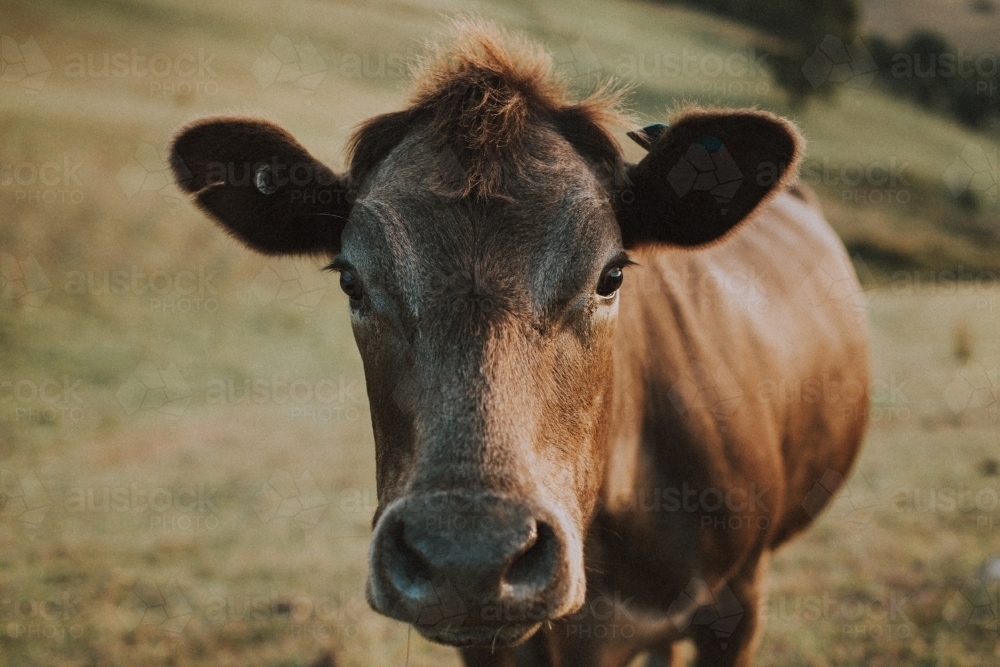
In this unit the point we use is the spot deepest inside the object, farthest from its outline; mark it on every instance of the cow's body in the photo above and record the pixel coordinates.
(571, 468)
(758, 415)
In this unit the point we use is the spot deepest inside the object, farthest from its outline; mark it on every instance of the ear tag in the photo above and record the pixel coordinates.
(647, 135)
(264, 180)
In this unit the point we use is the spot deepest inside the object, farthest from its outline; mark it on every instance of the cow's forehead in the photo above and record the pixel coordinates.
(548, 230)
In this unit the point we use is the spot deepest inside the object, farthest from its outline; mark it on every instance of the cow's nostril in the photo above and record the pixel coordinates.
(532, 569)
(410, 572)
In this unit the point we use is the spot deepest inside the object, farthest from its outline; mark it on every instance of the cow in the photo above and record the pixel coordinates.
(602, 393)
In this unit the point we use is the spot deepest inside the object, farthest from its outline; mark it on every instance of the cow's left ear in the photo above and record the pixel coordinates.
(704, 175)
(261, 185)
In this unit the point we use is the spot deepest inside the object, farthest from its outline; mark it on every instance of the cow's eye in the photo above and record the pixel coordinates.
(351, 285)
(610, 281)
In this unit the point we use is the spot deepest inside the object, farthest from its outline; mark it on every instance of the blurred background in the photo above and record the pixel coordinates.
(185, 449)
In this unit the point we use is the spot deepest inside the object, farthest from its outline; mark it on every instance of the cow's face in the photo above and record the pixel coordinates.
(485, 320)
(485, 324)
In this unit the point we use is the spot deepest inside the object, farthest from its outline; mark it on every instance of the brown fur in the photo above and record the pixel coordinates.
(478, 98)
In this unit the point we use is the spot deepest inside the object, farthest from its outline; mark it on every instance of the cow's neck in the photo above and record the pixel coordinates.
(624, 468)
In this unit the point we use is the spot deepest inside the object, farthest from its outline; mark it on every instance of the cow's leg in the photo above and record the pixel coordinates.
(483, 657)
(715, 648)
(661, 656)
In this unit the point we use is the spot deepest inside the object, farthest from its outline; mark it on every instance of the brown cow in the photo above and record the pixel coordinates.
(571, 469)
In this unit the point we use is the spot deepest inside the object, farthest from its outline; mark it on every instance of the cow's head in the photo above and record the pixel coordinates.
(481, 235)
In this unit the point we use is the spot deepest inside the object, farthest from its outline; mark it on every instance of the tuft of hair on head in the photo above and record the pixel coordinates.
(479, 93)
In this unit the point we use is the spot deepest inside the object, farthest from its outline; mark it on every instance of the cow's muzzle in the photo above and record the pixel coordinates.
(473, 569)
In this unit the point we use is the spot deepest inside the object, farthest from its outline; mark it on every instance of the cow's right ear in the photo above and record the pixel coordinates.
(706, 174)
(261, 185)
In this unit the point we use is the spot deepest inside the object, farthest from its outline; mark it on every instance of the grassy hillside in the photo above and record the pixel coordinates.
(973, 24)
(184, 438)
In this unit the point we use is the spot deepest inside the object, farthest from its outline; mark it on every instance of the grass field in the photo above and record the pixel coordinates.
(973, 25)
(188, 470)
